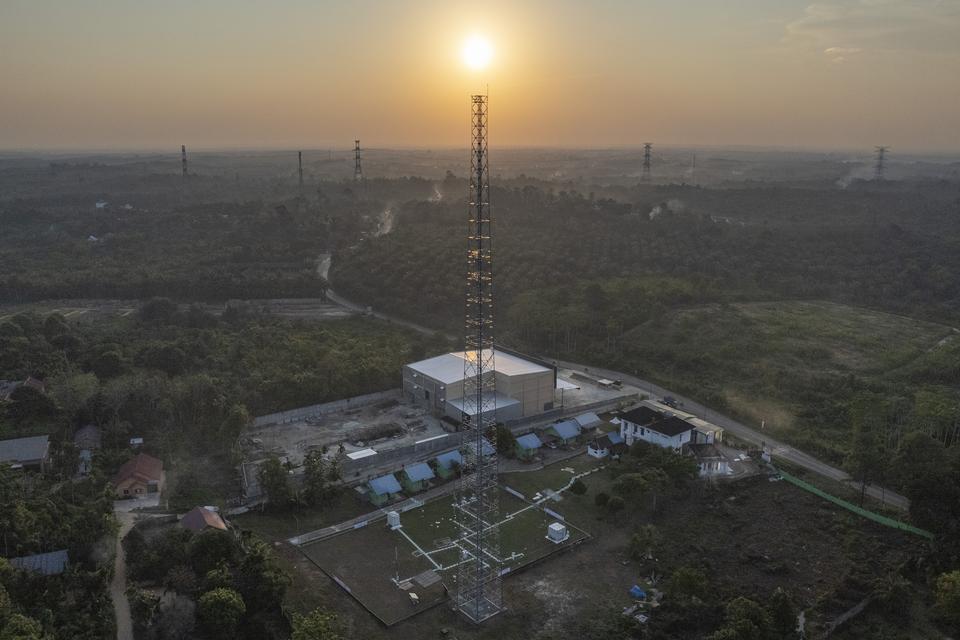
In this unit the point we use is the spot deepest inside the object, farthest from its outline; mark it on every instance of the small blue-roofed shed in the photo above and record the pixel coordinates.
(637, 592)
(416, 477)
(448, 463)
(383, 489)
(46, 564)
(567, 431)
(527, 446)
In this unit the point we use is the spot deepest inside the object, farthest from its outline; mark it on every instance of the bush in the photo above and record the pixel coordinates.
(578, 488)
(219, 612)
(602, 499)
(615, 504)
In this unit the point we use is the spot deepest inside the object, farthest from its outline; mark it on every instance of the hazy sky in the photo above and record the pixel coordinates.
(138, 74)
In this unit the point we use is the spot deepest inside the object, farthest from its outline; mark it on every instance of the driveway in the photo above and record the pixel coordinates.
(126, 515)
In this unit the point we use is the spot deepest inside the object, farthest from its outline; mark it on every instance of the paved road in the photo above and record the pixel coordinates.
(742, 431)
(748, 434)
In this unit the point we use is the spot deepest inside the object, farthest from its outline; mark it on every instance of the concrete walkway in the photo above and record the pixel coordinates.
(118, 586)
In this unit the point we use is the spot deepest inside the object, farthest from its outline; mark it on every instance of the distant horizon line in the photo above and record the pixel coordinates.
(174, 151)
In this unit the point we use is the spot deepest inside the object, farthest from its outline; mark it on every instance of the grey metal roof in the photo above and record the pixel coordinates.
(384, 485)
(587, 420)
(419, 471)
(497, 400)
(447, 459)
(566, 429)
(48, 564)
(529, 441)
(24, 449)
(448, 368)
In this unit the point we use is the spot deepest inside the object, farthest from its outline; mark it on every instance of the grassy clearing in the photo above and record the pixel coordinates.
(555, 476)
(281, 525)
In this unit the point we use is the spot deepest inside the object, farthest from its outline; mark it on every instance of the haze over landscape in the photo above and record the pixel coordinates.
(390, 320)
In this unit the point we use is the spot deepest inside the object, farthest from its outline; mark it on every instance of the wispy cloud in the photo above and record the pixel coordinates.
(842, 29)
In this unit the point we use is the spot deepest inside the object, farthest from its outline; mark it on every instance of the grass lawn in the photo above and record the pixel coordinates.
(281, 525)
(554, 476)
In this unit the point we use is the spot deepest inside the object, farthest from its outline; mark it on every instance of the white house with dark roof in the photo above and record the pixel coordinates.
(656, 428)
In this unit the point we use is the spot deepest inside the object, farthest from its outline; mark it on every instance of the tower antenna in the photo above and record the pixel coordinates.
(357, 169)
(881, 159)
(479, 593)
(183, 160)
(300, 169)
(647, 148)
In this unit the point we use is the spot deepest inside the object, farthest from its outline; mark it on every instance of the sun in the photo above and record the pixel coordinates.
(477, 52)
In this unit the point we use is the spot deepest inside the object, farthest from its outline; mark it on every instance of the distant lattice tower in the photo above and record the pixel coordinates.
(183, 160)
(881, 160)
(300, 170)
(647, 148)
(479, 593)
(357, 169)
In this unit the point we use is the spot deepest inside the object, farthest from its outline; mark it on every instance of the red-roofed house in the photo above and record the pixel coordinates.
(139, 476)
(200, 518)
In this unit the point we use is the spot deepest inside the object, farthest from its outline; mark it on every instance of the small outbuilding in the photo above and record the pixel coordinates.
(383, 489)
(588, 420)
(567, 431)
(527, 446)
(710, 460)
(46, 564)
(416, 477)
(449, 463)
(201, 518)
(27, 453)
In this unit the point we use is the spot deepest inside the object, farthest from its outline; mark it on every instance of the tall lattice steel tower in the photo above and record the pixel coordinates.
(647, 148)
(183, 160)
(357, 169)
(300, 170)
(479, 592)
(881, 158)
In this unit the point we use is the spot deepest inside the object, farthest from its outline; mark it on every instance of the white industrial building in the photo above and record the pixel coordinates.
(524, 386)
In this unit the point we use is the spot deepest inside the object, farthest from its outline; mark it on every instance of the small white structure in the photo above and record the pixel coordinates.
(557, 533)
(393, 520)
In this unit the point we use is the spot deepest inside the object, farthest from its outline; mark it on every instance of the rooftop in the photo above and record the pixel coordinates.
(24, 449)
(704, 451)
(671, 426)
(141, 467)
(566, 429)
(419, 471)
(642, 415)
(200, 518)
(529, 441)
(498, 401)
(384, 485)
(47, 564)
(588, 420)
(448, 368)
(447, 459)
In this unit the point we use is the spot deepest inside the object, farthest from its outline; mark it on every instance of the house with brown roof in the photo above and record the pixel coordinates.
(200, 518)
(141, 475)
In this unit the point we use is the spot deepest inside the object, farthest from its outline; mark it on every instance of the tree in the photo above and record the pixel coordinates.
(220, 611)
(158, 311)
(783, 615)
(687, 583)
(260, 579)
(643, 541)
(947, 593)
(20, 627)
(318, 474)
(866, 460)
(211, 548)
(237, 421)
(578, 488)
(615, 504)
(506, 441)
(319, 625)
(601, 499)
(746, 620)
(275, 482)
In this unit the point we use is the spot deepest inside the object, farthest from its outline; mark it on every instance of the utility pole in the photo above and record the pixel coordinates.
(479, 591)
(183, 160)
(357, 169)
(647, 148)
(881, 158)
(300, 170)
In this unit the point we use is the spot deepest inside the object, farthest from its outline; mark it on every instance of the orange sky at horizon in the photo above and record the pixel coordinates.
(108, 74)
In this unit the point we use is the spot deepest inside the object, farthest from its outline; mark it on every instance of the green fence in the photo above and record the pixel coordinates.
(849, 506)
